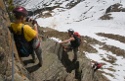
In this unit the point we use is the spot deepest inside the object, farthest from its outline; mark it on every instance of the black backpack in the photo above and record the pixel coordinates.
(24, 47)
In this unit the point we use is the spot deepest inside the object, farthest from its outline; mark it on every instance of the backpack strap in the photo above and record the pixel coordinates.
(11, 29)
(22, 30)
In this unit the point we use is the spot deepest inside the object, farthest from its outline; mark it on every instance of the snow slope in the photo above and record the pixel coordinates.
(84, 18)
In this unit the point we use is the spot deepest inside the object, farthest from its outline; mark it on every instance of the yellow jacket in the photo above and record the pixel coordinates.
(29, 33)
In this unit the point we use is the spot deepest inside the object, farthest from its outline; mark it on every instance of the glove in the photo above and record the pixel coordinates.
(34, 22)
(28, 19)
(31, 20)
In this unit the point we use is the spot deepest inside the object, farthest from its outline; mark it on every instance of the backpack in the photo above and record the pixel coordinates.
(77, 41)
(23, 46)
(78, 37)
(77, 34)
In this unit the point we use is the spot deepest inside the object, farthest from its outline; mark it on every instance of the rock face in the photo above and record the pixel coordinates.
(5, 48)
(113, 8)
(58, 65)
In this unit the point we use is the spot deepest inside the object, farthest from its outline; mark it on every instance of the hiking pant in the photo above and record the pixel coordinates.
(38, 50)
(75, 51)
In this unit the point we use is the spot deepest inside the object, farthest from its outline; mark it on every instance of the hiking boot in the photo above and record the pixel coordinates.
(40, 64)
(69, 69)
(77, 75)
(74, 60)
(34, 60)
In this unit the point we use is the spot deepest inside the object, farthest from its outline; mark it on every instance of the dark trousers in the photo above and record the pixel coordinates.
(75, 51)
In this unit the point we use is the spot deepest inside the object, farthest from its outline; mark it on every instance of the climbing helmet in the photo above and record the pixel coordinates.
(20, 10)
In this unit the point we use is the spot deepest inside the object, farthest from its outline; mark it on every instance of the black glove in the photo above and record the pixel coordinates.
(28, 19)
(31, 20)
(34, 22)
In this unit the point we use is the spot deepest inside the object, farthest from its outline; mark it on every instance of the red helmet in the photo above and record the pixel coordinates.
(21, 11)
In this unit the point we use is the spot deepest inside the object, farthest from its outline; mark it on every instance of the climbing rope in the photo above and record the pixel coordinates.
(12, 58)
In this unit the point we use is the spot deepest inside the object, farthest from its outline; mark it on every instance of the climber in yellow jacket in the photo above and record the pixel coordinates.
(30, 34)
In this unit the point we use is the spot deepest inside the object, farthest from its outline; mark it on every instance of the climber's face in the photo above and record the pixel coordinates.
(69, 33)
(23, 19)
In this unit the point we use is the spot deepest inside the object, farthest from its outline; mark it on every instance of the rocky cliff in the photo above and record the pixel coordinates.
(7, 49)
(57, 64)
